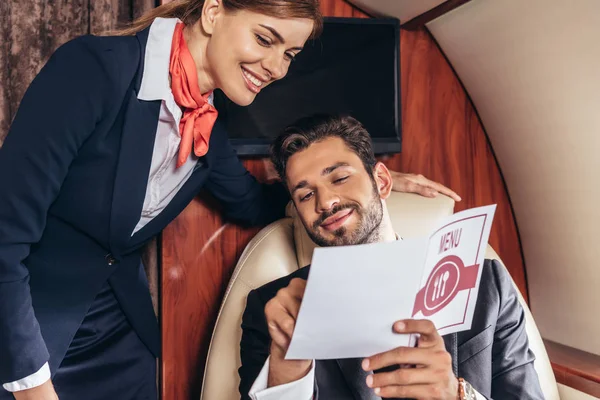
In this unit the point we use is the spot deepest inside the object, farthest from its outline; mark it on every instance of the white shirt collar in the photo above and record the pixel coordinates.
(155, 77)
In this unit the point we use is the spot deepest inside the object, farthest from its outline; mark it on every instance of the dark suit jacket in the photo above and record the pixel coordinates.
(493, 356)
(73, 175)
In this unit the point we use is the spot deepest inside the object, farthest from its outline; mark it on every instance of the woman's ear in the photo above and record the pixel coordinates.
(383, 179)
(210, 11)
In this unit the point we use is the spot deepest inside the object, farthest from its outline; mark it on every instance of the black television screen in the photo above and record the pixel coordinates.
(353, 69)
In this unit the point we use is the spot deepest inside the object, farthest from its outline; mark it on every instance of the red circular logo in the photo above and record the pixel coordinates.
(442, 284)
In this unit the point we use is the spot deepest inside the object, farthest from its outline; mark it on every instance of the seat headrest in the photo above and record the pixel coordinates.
(412, 215)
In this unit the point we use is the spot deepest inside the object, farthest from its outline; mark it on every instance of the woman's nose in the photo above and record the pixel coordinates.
(275, 65)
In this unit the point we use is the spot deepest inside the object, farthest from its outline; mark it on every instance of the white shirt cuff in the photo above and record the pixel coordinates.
(478, 396)
(301, 389)
(31, 381)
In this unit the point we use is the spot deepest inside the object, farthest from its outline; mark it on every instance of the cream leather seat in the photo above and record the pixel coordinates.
(282, 248)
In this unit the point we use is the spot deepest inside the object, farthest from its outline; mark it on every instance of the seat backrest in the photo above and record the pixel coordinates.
(283, 247)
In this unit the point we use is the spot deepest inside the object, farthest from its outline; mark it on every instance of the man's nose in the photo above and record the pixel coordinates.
(326, 200)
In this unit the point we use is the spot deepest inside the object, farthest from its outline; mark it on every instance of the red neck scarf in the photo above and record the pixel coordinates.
(198, 115)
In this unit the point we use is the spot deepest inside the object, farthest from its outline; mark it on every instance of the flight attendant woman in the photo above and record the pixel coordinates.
(112, 140)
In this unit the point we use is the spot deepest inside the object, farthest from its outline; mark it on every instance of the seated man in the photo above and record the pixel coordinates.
(340, 192)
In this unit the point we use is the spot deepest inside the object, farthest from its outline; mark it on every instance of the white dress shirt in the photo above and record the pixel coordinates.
(302, 389)
(165, 179)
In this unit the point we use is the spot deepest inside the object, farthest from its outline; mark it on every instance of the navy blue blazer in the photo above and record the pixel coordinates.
(74, 170)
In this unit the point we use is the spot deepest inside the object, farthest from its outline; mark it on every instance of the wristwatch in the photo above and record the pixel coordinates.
(465, 390)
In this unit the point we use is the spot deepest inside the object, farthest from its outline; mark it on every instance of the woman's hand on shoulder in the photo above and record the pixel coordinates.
(417, 183)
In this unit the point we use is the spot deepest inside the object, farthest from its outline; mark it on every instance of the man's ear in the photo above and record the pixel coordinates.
(210, 11)
(383, 179)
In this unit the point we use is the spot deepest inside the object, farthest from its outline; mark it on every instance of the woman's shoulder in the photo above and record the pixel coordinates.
(115, 56)
(124, 47)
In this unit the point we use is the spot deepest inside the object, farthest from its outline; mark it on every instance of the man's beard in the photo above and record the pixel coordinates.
(366, 231)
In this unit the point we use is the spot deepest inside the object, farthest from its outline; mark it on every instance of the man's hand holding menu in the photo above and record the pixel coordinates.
(281, 313)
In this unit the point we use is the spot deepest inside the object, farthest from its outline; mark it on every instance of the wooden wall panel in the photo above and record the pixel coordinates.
(442, 138)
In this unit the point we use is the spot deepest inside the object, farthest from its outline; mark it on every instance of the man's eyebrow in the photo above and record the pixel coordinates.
(326, 171)
(277, 35)
(335, 166)
(300, 185)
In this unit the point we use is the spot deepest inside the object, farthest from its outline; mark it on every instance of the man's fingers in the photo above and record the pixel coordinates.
(402, 376)
(289, 301)
(428, 334)
(399, 356)
(432, 377)
(282, 310)
(280, 323)
(282, 315)
(278, 337)
(285, 304)
(287, 325)
(408, 392)
(296, 288)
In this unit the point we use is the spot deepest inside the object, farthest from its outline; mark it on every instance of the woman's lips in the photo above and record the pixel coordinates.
(252, 82)
(337, 220)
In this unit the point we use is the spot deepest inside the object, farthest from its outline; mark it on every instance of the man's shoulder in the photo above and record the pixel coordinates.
(267, 291)
(496, 292)
(495, 278)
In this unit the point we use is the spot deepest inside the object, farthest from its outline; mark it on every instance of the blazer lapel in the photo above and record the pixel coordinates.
(451, 343)
(134, 160)
(356, 377)
(133, 169)
(183, 197)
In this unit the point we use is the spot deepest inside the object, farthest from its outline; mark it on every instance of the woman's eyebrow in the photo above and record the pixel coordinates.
(277, 35)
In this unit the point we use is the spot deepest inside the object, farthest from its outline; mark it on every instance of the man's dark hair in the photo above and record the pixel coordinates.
(314, 129)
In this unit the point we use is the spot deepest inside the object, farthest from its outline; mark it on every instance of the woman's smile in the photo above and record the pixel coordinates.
(253, 82)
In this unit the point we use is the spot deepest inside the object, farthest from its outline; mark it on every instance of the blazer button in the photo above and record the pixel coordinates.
(110, 259)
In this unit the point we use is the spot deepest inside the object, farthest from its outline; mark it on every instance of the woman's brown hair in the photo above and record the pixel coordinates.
(190, 11)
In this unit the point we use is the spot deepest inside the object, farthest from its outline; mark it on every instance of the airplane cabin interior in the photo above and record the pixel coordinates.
(496, 99)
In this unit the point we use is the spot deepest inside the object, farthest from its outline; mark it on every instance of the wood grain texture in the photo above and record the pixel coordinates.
(442, 139)
(575, 368)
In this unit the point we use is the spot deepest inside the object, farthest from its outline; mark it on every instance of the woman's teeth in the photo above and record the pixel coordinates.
(252, 79)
